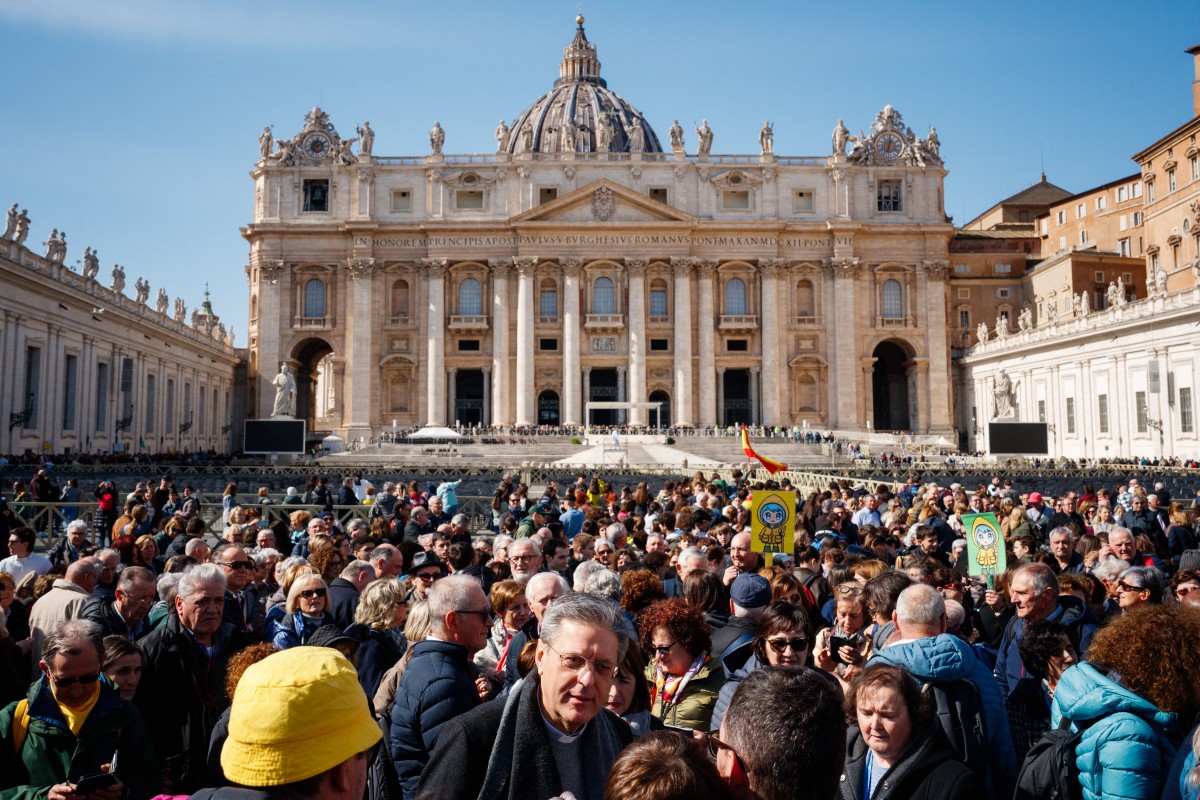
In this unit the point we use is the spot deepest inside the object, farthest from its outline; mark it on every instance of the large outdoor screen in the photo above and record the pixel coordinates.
(264, 436)
(1018, 438)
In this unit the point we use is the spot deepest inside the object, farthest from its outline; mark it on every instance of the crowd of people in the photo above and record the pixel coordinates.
(602, 642)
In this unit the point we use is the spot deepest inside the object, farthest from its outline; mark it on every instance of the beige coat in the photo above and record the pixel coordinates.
(61, 603)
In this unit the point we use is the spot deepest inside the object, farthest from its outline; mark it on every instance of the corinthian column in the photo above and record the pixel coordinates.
(526, 402)
(683, 340)
(706, 271)
(271, 317)
(500, 271)
(845, 344)
(571, 408)
(937, 386)
(362, 354)
(769, 327)
(636, 269)
(435, 353)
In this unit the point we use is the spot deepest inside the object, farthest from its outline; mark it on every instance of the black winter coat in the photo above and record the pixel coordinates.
(100, 611)
(343, 600)
(928, 770)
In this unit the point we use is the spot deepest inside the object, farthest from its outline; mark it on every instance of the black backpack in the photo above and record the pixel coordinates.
(960, 714)
(1049, 771)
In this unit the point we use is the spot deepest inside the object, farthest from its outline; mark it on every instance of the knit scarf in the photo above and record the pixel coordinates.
(669, 687)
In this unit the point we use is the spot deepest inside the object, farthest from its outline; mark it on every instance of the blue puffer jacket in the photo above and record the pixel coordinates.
(288, 630)
(1127, 749)
(948, 658)
(437, 685)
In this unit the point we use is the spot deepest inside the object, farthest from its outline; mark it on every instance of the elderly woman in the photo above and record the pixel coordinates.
(783, 639)
(895, 740)
(846, 644)
(1132, 698)
(512, 611)
(1139, 585)
(307, 609)
(379, 628)
(684, 677)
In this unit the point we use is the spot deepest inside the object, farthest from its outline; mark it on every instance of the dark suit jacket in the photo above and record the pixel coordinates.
(343, 599)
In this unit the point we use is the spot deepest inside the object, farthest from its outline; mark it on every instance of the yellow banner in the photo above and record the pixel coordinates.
(773, 522)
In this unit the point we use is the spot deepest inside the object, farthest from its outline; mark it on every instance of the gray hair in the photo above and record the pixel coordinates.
(461, 520)
(449, 594)
(1062, 529)
(425, 540)
(920, 605)
(282, 567)
(68, 637)
(587, 609)
(132, 575)
(1148, 579)
(585, 571)
(355, 569)
(1110, 569)
(199, 575)
(107, 552)
(355, 525)
(77, 525)
(956, 614)
(168, 585)
(191, 547)
(1041, 577)
(606, 584)
(546, 577)
(617, 535)
(263, 554)
(537, 551)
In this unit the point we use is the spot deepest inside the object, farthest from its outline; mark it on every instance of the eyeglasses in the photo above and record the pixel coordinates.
(1125, 587)
(849, 588)
(779, 645)
(576, 664)
(485, 614)
(312, 594)
(237, 564)
(522, 558)
(427, 577)
(1180, 591)
(713, 745)
(663, 650)
(82, 680)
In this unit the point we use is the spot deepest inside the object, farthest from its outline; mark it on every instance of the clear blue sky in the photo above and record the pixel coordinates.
(132, 124)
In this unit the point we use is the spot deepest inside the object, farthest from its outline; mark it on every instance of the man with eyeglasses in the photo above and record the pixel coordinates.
(552, 734)
(525, 559)
(125, 614)
(439, 682)
(937, 658)
(241, 602)
(73, 724)
(182, 692)
(426, 568)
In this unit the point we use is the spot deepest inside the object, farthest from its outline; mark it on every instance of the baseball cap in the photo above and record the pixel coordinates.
(750, 591)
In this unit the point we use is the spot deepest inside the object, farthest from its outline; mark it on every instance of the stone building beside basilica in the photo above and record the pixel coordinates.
(589, 260)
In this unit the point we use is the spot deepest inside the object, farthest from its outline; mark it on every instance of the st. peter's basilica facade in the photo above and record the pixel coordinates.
(586, 260)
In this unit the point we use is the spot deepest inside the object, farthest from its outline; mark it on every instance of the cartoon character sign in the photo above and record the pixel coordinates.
(985, 544)
(773, 522)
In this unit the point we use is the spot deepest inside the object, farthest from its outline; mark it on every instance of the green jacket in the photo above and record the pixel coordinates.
(51, 754)
(695, 708)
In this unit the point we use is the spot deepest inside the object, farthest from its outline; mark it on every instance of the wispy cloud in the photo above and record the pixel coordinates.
(200, 22)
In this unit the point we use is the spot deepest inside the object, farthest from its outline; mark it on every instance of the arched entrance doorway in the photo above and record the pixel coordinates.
(547, 408)
(468, 397)
(889, 387)
(664, 412)
(308, 356)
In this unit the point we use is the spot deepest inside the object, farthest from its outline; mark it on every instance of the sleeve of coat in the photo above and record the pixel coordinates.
(453, 770)
(1127, 762)
(448, 701)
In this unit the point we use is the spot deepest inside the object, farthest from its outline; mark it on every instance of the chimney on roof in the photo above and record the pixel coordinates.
(1195, 53)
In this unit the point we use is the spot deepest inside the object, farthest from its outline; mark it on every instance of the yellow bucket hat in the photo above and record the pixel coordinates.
(296, 714)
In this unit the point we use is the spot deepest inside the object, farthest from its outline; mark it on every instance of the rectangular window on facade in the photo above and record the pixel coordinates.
(1060, 218)
(1171, 183)
(658, 303)
(660, 345)
(1128, 278)
(1136, 219)
(468, 345)
(1004, 293)
(1080, 210)
(1101, 202)
(1071, 415)
(962, 269)
(1099, 277)
(1195, 162)
(1123, 222)
(316, 194)
(1041, 410)
(735, 200)
(1003, 269)
(548, 345)
(660, 194)
(1102, 412)
(737, 346)
(802, 201)
(1123, 247)
(964, 319)
(101, 396)
(401, 200)
(70, 389)
(1045, 226)
(1137, 189)
(468, 199)
(33, 384)
(1122, 193)
(1143, 411)
(1062, 243)
(545, 195)
(1186, 425)
(1150, 193)
(1083, 239)
(548, 303)
(889, 196)
(151, 401)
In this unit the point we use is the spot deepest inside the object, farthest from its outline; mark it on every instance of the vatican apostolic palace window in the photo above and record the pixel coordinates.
(604, 299)
(735, 297)
(470, 301)
(314, 299)
(889, 196)
(893, 300)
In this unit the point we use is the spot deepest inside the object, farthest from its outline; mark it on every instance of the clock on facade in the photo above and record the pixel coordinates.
(889, 145)
(317, 146)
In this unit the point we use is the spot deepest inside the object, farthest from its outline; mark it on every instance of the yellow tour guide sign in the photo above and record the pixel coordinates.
(985, 545)
(773, 523)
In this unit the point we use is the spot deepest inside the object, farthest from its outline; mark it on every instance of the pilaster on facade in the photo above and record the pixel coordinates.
(635, 269)
(525, 389)
(682, 269)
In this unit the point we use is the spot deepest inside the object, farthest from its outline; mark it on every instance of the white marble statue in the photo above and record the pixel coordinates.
(10, 223)
(91, 264)
(637, 136)
(502, 135)
(1084, 302)
(1076, 305)
(56, 246)
(366, 138)
(1025, 319)
(1151, 285)
(1121, 292)
(676, 134)
(604, 133)
(22, 227)
(118, 279)
(1160, 280)
(981, 332)
(285, 393)
(265, 140)
(437, 137)
(1001, 326)
(1004, 395)
(142, 288)
(841, 136)
(162, 301)
(704, 138)
(766, 139)
(180, 310)
(566, 134)
(527, 137)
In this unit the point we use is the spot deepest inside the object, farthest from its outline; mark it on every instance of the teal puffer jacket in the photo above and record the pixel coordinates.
(1128, 746)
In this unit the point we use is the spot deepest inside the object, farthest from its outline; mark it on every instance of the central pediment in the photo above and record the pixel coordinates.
(603, 202)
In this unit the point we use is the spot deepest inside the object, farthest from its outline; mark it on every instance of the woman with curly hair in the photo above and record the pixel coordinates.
(378, 628)
(328, 561)
(684, 677)
(640, 588)
(1133, 696)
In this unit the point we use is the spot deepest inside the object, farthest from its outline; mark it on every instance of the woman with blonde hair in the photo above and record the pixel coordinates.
(416, 629)
(307, 609)
(145, 553)
(378, 627)
(286, 573)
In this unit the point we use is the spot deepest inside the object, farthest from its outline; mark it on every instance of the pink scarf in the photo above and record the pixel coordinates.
(670, 687)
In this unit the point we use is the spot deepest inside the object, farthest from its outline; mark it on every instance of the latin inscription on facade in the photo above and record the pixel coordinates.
(604, 240)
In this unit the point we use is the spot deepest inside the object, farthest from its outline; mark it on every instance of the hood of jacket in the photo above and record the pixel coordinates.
(935, 658)
(1084, 694)
(1072, 610)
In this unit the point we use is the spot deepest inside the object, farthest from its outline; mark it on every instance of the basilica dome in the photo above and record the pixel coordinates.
(581, 114)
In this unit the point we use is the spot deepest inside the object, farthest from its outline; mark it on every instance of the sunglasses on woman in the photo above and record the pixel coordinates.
(780, 645)
(312, 594)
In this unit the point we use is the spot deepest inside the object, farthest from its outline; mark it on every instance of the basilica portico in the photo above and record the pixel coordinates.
(581, 262)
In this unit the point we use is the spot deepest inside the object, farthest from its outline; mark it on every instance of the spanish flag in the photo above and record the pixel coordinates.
(770, 466)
